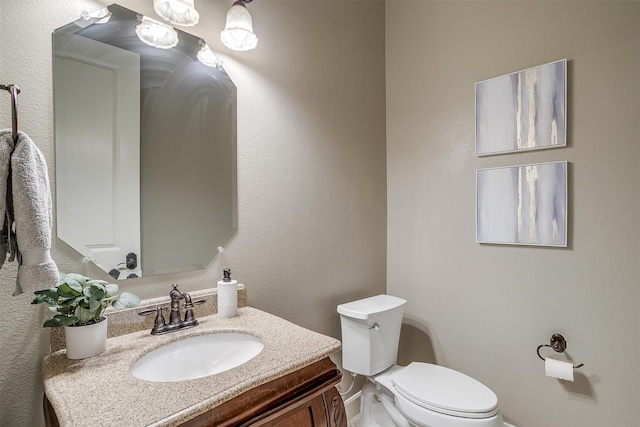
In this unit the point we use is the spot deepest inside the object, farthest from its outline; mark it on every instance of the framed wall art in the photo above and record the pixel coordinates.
(525, 110)
(522, 205)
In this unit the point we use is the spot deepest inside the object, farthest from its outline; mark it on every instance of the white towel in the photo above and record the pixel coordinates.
(6, 148)
(32, 211)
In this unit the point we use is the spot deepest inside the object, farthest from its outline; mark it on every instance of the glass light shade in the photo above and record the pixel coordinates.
(178, 12)
(207, 57)
(238, 33)
(156, 34)
(101, 16)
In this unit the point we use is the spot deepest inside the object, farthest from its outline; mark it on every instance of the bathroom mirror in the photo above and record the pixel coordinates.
(145, 147)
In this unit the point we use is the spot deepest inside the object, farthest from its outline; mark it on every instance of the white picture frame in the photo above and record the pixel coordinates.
(522, 205)
(524, 110)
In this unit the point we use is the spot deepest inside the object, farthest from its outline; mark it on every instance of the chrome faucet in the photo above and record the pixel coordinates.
(175, 317)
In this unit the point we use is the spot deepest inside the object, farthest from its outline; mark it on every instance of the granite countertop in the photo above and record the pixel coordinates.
(100, 391)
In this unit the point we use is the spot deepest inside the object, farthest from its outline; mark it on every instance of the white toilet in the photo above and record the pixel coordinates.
(420, 394)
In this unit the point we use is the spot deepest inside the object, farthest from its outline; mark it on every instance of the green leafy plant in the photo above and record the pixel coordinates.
(80, 300)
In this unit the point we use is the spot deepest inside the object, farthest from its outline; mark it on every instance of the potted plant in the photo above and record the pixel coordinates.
(78, 302)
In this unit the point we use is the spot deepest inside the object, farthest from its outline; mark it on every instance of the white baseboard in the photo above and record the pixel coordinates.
(353, 398)
(352, 405)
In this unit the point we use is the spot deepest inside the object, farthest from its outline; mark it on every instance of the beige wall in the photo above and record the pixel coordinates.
(311, 166)
(484, 309)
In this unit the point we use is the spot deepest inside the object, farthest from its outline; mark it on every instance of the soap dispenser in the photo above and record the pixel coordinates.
(227, 296)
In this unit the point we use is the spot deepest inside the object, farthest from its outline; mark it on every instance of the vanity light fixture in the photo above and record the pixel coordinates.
(238, 32)
(178, 12)
(156, 34)
(207, 57)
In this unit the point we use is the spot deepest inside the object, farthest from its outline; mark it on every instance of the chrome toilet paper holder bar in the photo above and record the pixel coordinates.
(559, 345)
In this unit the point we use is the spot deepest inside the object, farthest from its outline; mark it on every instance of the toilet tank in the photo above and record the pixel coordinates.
(370, 333)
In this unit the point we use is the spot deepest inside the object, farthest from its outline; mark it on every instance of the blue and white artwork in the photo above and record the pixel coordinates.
(525, 110)
(522, 205)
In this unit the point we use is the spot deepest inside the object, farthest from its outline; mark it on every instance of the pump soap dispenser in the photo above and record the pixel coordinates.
(227, 296)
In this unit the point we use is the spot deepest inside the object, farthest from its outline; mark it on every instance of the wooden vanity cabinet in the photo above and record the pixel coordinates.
(304, 398)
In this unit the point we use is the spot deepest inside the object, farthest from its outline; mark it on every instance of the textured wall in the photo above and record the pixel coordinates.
(311, 167)
(25, 59)
(484, 309)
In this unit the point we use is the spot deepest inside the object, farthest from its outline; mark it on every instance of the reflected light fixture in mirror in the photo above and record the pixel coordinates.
(238, 32)
(156, 34)
(101, 16)
(207, 57)
(178, 12)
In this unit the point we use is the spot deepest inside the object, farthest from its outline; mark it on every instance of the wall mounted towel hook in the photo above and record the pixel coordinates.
(559, 345)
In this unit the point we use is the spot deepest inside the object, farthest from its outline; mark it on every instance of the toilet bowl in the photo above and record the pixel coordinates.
(416, 395)
(426, 395)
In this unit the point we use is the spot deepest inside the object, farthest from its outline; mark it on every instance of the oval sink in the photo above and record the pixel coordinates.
(197, 357)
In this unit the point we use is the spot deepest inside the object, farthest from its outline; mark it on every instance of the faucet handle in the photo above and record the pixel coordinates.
(147, 312)
(159, 323)
(189, 318)
(196, 302)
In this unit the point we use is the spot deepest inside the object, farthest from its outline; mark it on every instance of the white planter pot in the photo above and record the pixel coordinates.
(86, 341)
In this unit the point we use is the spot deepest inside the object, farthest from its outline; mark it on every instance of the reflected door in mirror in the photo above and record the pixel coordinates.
(98, 149)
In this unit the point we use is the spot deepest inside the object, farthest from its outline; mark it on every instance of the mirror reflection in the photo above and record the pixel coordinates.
(145, 147)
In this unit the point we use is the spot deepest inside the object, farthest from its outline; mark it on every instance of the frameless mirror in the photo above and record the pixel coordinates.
(145, 148)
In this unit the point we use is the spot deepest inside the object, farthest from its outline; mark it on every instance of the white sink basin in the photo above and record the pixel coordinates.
(197, 357)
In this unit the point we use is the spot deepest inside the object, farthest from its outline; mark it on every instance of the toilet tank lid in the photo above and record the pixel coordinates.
(364, 308)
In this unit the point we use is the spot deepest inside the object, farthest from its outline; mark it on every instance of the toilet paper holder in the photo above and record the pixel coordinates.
(559, 345)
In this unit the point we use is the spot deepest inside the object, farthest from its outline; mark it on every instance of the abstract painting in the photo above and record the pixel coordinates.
(525, 110)
(522, 205)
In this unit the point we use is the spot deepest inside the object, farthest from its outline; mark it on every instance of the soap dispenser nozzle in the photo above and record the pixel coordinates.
(227, 275)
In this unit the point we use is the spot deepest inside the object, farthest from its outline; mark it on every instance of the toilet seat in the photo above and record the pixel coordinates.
(445, 391)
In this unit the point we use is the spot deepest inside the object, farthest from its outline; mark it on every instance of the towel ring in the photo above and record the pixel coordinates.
(559, 345)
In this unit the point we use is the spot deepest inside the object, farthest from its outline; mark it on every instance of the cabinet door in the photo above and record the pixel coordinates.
(320, 410)
(311, 414)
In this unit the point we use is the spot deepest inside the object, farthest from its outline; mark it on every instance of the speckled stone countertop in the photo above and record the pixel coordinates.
(100, 390)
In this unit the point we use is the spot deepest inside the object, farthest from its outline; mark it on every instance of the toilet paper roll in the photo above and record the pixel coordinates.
(558, 369)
